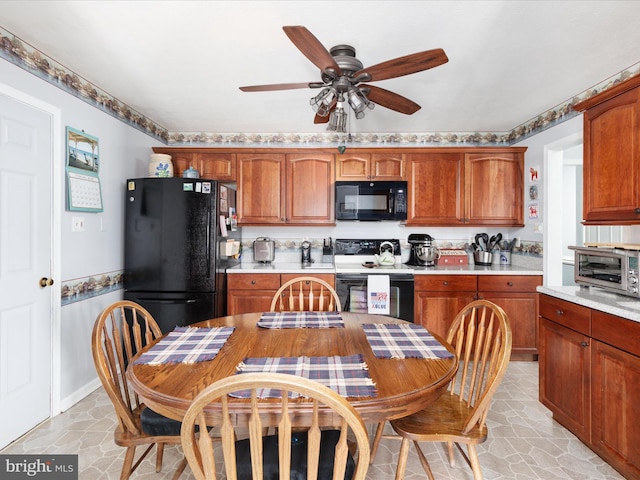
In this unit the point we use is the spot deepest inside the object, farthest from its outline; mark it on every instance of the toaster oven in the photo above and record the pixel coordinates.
(609, 268)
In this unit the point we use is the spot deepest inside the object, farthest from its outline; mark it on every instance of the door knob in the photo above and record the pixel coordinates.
(46, 282)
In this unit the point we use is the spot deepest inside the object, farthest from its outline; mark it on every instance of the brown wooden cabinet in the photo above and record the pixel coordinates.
(285, 189)
(439, 298)
(565, 364)
(253, 292)
(436, 188)
(462, 186)
(615, 390)
(210, 164)
(494, 188)
(370, 166)
(517, 296)
(611, 170)
(590, 379)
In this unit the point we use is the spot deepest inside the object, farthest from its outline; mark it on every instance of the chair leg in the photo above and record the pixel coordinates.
(181, 466)
(475, 462)
(128, 463)
(160, 455)
(402, 459)
(452, 459)
(424, 462)
(376, 442)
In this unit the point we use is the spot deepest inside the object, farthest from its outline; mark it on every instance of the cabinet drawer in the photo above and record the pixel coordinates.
(617, 332)
(327, 277)
(508, 283)
(257, 281)
(575, 317)
(446, 283)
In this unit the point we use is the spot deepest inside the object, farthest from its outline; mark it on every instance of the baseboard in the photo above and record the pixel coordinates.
(69, 401)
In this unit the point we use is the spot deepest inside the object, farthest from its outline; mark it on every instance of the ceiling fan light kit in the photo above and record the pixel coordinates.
(342, 74)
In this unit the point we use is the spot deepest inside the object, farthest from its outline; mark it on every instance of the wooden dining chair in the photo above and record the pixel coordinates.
(481, 336)
(306, 293)
(301, 447)
(120, 331)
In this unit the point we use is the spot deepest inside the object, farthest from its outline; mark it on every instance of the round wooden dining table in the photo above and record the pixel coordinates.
(404, 386)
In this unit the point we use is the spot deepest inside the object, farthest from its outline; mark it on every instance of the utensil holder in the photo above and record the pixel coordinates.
(482, 258)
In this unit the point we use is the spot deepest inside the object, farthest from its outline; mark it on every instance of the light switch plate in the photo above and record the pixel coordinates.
(77, 224)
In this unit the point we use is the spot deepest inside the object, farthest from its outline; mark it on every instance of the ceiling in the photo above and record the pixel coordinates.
(180, 63)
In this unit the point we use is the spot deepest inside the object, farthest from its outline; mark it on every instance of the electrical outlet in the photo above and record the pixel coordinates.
(77, 224)
(517, 244)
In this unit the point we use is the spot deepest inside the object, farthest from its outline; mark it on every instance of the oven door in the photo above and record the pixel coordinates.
(352, 291)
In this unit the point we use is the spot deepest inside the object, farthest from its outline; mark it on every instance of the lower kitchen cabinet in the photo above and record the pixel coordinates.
(439, 298)
(253, 292)
(517, 296)
(615, 390)
(590, 379)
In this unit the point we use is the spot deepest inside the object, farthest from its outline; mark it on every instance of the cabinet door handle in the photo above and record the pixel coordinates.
(637, 210)
(559, 312)
(584, 344)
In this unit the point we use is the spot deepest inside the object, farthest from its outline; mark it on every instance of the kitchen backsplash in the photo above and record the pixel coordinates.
(527, 254)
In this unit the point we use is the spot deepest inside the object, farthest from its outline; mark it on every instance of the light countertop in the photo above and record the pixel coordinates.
(597, 299)
(318, 268)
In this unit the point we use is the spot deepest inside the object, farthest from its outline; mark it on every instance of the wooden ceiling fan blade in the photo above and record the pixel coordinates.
(398, 67)
(279, 86)
(311, 48)
(325, 119)
(391, 100)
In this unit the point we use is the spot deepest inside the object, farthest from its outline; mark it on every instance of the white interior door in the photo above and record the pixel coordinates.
(25, 258)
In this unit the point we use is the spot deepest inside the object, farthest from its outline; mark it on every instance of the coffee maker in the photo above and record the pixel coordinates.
(423, 253)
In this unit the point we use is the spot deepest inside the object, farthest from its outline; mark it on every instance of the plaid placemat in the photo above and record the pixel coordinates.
(301, 320)
(403, 341)
(186, 345)
(348, 376)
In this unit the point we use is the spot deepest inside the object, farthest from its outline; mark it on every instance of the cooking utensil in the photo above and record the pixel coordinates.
(494, 241)
(482, 240)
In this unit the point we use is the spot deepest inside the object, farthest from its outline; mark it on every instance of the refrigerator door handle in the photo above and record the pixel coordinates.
(160, 300)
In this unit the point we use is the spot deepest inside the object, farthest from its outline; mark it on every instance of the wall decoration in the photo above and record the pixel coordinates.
(83, 164)
(533, 210)
(534, 176)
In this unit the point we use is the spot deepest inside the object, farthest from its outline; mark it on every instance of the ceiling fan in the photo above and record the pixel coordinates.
(342, 76)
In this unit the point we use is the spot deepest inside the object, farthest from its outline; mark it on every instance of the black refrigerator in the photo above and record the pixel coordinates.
(174, 261)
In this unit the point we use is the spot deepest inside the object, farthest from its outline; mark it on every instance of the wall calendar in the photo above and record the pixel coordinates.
(83, 165)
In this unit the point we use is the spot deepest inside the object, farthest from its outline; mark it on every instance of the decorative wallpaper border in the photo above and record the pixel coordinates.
(78, 289)
(20, 53)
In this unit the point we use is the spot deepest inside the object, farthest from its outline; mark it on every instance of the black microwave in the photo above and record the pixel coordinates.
(371, 201)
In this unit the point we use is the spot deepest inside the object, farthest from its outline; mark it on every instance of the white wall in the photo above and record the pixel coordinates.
(124, 152)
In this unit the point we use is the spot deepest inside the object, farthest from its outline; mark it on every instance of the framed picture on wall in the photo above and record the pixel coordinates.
(83, 166)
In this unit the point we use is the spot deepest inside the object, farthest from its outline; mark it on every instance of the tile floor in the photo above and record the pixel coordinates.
(524, 442)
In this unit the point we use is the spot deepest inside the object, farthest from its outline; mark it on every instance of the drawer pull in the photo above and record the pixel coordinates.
(509, 284)
(253, 282)
(584, 344)
(559, 312)
(445, 283)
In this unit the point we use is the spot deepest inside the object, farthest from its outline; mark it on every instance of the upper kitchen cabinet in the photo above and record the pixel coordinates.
(452, 187)
(611, 169)
(211, 164)
(371, 166)
(494, 187)
(285, 189)
(436, 189)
